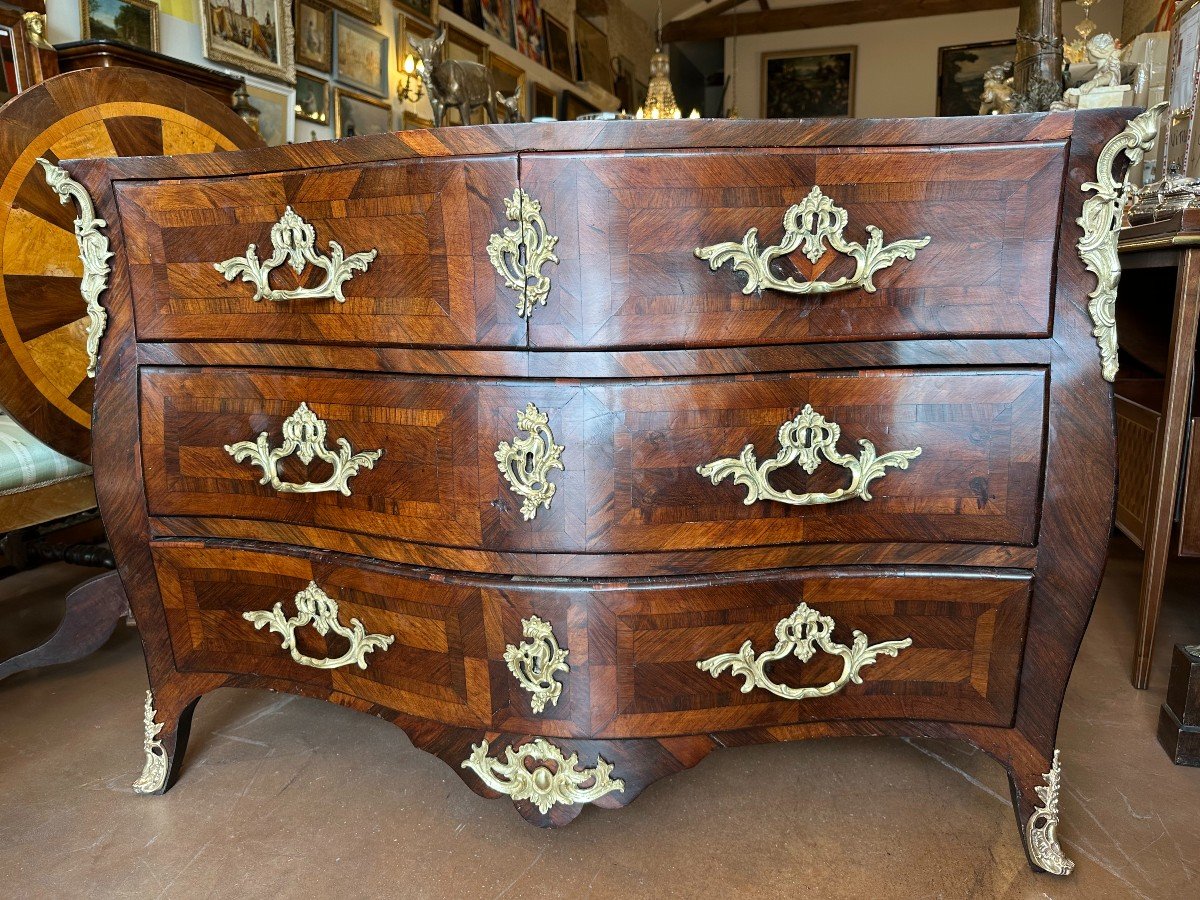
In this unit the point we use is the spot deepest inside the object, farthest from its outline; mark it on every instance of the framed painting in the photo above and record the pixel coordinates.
(543, 103)
(960, 74)
(592, 46)
(132, 22)
(360, 55)
(367, 10)
(409, 121)
(508, 77)
(805, 84)
(558, 47)
(312, 99)
(498, 20)
(575, 106)
(258, 38)
(275, 113)
(360, 114)
(314, 35)
(425, 10)
(528, 22)
(471, 10)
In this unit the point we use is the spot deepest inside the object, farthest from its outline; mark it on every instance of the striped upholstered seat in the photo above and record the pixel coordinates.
(36, 483)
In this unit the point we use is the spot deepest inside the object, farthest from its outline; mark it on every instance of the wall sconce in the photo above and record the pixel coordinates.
(411, 87)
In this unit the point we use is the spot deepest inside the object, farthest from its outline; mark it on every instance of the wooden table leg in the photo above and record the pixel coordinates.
(1165, 484)
(93, 610)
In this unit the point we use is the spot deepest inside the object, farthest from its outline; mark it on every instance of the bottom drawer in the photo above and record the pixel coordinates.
(643, 659)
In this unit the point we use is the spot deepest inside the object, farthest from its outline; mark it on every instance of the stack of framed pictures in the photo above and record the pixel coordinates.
(339, 38)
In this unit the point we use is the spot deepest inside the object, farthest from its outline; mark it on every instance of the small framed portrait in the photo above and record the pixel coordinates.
(960, 74)
(314, 35)
(360, 55)
(543, 103)
(528, 21)
(498, 20)
(312, 99)
(575, 106)
(426, 10)
(558, 47)
(803, 84)
(132, 22)
(367, 10)
(276, 121)
(359, 114)
(223, 34)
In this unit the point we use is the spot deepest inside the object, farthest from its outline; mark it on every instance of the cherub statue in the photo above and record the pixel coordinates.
(999, 95)
(1105, 52)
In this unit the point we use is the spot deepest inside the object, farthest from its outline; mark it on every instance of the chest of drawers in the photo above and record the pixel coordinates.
(579, 451)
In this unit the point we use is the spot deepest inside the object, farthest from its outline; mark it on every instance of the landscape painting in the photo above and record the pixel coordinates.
(132, 22)
(803, 84)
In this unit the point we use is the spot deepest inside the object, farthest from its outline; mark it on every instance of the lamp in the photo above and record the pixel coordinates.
(660, 98)
(1076, 51)
(411, 86)
(244, 108)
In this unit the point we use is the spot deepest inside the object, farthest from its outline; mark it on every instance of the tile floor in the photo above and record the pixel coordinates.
(287, 797)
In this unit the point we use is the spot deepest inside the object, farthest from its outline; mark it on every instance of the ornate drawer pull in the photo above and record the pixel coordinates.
(518, 254)
(93, 253)
(292, 240)
(304, 435)
(801, 633)
(808, 225)
(800, 440)
(535, 662)
(543, 786)
(315, 607)
(526, 462)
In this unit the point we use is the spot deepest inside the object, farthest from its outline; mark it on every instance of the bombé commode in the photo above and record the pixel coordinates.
(580, 450)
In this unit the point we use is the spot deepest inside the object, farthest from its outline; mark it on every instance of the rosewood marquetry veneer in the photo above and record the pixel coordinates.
(578, 451)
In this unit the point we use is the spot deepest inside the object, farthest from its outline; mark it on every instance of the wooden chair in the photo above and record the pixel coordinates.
(39, 485)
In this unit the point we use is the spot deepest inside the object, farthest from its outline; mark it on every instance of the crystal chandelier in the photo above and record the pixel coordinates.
(660, 97)
(1076, 51)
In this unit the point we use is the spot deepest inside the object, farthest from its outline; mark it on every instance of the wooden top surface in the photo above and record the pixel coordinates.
(620, 136)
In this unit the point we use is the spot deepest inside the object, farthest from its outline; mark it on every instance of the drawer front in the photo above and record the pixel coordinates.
(629, 225)
(418, 463)
(430, 282)
(627, 661)
(882, 456)
(976, 478)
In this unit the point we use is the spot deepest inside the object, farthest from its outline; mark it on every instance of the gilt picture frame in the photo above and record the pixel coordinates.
(368, 10)
(356, 114)
(276, 112)
(312, 99)
(809, 83)
(314, 35)
(269, 22)
(425, 10)
(133, 22)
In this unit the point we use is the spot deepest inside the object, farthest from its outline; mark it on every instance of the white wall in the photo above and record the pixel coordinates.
(897, 60)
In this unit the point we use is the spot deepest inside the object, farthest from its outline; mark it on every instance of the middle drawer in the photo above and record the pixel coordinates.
(602, 467)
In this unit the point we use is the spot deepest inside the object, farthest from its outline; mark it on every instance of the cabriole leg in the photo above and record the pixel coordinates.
(164, 743)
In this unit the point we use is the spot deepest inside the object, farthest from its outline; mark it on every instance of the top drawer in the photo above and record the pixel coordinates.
(629, 225)
(429, 284)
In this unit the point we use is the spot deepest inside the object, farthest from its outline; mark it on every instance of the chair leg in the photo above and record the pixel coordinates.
(93, 610)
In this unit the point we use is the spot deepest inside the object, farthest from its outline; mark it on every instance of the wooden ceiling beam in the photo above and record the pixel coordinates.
(715, 10)
(824, 15)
